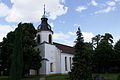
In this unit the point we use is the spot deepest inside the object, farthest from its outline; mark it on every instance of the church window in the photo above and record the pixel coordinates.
(66, 64)
(38, 39)
(70, 63)
(38, 49)
(50, 38)
(51, 67)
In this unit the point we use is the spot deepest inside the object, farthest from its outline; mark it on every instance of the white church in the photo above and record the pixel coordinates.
(59, 56)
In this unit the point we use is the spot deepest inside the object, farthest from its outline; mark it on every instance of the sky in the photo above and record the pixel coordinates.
(65, 16)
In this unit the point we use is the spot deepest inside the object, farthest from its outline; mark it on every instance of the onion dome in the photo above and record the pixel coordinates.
(44, 26)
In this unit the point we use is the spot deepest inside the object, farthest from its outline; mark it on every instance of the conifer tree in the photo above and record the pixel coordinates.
(81, 69)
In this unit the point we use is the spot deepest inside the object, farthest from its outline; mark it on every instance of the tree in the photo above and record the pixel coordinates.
(17, 55)
(108, 37)
(81, 69)
(117, 50)
(117, 55)
(6, 51)
(0, 60)
(103, 56)
(28, 48)
(96, 40)
(31, 57)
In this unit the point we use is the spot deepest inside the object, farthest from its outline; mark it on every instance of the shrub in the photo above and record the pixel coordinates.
(118, 78)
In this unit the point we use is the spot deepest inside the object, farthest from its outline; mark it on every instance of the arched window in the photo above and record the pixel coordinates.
(38, 49)
(50, 38)
(51, 67)
(70, 62)
(38, 39)
(66, 64)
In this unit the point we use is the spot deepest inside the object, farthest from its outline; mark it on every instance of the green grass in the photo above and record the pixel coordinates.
(63, 77)
(7, 78)
(109, 76)
(31, 79)
(57, 77)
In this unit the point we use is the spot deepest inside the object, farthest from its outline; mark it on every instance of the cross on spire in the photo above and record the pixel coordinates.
(44, 16)
(44, 9)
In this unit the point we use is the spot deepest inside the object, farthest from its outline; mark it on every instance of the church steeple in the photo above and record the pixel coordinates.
(44, 26)
(44, 30)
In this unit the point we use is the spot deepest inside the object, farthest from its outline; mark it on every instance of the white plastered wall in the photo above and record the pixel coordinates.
(63, 55)
(44, 36)
(52, 53)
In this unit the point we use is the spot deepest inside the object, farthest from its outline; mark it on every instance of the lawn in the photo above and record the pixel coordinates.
(109, 76)
(7, 78)
(57, 77)
(63, 77)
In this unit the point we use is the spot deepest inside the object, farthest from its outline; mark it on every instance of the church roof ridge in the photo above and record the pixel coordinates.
(65, 48)
(62, 44)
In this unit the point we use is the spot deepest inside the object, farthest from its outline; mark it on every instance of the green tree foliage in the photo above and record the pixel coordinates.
(31, 58)
(117, 50)
(108, 37)
(6, 50)
(117, 55)
(81, 69)
(17, 55)
(96, 40)
(103, 55)
(88, 47)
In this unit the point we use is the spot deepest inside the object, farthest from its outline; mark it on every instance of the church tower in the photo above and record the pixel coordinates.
(45, 32)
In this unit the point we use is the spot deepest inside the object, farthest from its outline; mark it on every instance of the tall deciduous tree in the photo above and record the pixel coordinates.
(96, 40)
(81, 69)
(117, 49)
(117, 55)
(31, 57)
(17, 56)
(103, 56)
(6, 50)
(108, 37)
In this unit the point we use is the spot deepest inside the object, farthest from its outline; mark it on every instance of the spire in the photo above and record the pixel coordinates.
(44, 9)
(44, 26)
(44, 16)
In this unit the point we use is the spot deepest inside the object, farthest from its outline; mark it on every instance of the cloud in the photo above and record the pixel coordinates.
(64, 38)
(111, 3)
(87, 36)
(4, 29)
(62, 21)
(63, 1)
(52, 24)
(106, 10)
(81, 8)
(77, 25)
(116, 38)
(69, 37)
(93, 3)
(117, 0)
(4, 10)
(32, 10)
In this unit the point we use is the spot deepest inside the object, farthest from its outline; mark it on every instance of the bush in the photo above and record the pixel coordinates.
(118, 78)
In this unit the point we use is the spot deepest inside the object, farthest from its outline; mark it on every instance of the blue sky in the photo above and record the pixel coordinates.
(93, 16)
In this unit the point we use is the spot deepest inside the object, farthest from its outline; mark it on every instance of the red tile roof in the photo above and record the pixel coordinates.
(64, 48)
